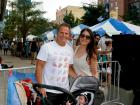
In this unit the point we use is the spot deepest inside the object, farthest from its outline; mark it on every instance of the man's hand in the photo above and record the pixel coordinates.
(43, 92)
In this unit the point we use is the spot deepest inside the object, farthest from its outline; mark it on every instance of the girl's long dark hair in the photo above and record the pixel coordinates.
(91, 48)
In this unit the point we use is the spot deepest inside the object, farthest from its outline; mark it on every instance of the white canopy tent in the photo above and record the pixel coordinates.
(30, 37)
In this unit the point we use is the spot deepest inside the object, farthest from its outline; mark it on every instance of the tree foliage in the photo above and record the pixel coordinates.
(24, 18)
(40, 27)
(70, 19)
(132, 15)
(93, 12)
(10, 27)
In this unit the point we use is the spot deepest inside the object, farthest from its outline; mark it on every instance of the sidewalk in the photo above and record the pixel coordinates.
(16, 61)
(10, 60)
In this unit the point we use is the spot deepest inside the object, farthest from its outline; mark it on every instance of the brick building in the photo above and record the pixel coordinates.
(119, 7)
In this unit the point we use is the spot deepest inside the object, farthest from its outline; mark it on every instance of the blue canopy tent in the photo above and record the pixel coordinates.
(135, 28)
(113, 26)
(75, 31)
(43, 36)
(50, 35)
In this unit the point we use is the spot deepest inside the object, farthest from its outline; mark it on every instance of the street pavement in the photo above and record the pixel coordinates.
(16, 61)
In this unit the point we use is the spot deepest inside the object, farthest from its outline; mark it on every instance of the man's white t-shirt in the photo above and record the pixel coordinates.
(56, 69)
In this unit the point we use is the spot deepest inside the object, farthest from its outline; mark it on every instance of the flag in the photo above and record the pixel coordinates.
(105, 15)
(101, 18)
(12, 95)
(107, 10)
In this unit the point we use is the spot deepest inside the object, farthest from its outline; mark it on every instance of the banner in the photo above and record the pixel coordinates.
(12, 97)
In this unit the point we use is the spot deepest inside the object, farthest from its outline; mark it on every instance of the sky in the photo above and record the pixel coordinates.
(50, 6)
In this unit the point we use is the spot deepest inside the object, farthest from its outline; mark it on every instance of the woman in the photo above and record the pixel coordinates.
(85, 55)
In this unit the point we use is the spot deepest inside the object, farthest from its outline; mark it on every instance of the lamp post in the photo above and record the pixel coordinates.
(107, 8)
(116, 8)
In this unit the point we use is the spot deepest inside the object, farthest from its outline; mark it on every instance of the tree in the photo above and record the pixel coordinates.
(132, 15)
(70, 19)
(22, 18)
(93, 12)
(10, 26)
(40, 27)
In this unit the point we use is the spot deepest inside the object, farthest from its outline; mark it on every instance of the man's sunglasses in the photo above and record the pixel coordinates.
(87, 36)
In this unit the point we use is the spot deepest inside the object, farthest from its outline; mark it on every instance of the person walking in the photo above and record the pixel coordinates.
(6, 46)
(34, 49)
(19, 48)
(53, 62)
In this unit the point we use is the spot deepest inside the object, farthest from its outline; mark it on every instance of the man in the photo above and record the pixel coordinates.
(53, 62)
(34, 49)
(100, 43)
(97, 39)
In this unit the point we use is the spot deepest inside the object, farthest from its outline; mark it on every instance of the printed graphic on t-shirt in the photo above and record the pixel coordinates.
(60, 66)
